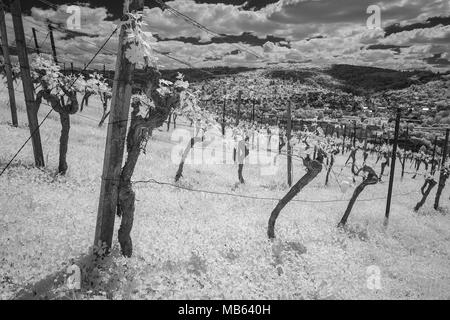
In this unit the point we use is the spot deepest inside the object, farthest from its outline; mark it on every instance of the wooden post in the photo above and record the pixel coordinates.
(52, 42)
(433, 166)
(71, 67)
(253, 111)
(289, 148)
(238, 115)
(36, 45)
(168, 122)
(104, 71)
(404, 155)
(116, 135)
(224, 115)
(343, 140)
(366, 154)
(392, 173)
(443, 176)
(28, 88)
(8, 68)
(366, 136)
(354, 134)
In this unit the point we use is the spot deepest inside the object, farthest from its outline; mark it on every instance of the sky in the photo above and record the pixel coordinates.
(412, 34)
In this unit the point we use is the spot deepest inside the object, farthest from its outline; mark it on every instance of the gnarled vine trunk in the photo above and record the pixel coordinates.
(104, 97)
(190, 145)
(330, 166)
(403, 162)
(174, 118)
(429, 184)
(352, 157)
(365, 156)
(104, 117)
(85, 100)
(313, 168)
(371, 179)
(239, 155)
(65, 109)
(63, 142)
(442, 180)
(127, 197)
(383, 165)
(140, 128)
(168, 122)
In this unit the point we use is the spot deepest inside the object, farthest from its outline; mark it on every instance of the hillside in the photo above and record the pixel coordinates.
(359, 80)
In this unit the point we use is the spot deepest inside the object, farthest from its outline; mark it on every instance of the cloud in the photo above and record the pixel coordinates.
(438, 34)
(350, 11)
(429, 23)
(92, 20)
(221, 18)
(320, 31)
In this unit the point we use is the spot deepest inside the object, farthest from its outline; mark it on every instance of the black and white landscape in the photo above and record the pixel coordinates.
(224, 150)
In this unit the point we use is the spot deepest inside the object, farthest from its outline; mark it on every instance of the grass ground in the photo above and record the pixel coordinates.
(190, 245)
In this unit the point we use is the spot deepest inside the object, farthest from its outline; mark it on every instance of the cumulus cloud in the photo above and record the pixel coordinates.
(341, 24)
(221, 18)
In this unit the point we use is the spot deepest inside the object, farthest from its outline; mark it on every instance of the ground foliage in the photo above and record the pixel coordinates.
(192, 245)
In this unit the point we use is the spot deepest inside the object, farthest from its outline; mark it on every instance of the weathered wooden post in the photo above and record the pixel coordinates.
(224, 115)
(169, 120)
(444, 174)
(392, 173)
(253, 111)
(36, 45)
(238, 115)
(27, 82)
(8, 68)
(116, 135)
(404, 153)
(354, 133)
(365, 153)
(289, 148)
(52, 42)
(433, 165)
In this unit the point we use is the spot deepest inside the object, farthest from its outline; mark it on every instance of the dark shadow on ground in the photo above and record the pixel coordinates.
(54, 286)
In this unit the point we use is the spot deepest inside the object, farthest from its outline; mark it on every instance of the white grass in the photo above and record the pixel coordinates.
(191, 245)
